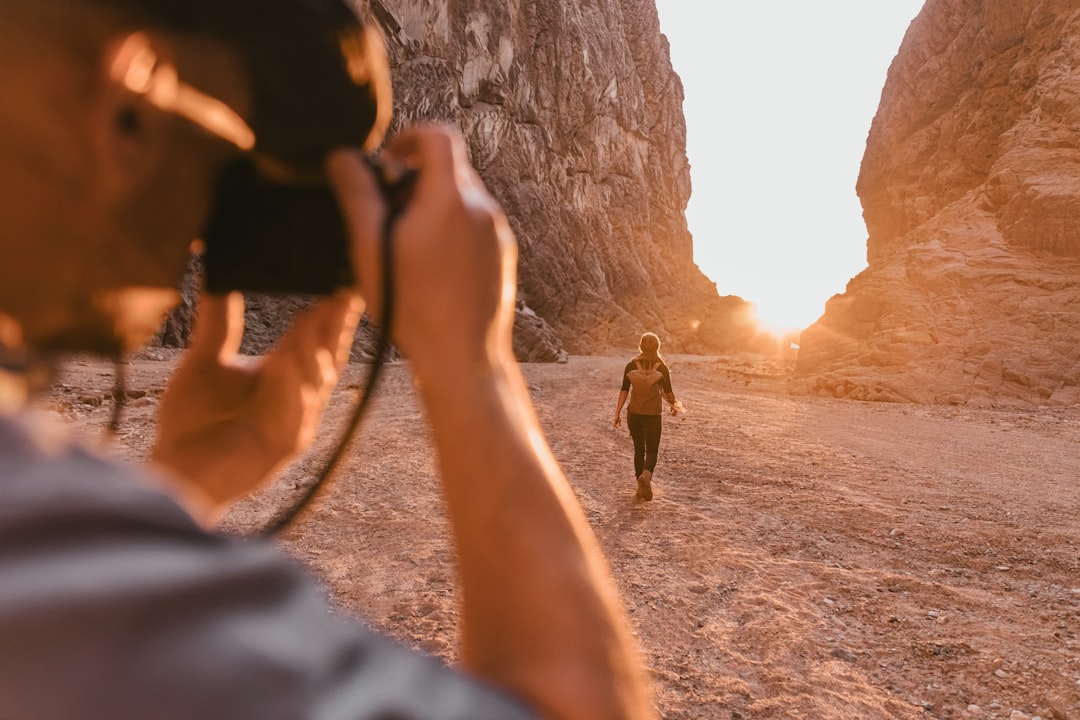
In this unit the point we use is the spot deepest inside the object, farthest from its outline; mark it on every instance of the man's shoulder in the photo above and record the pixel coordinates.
(162, 611)
(47, 473)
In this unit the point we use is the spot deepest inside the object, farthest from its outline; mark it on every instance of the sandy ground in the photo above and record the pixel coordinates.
(803, 557)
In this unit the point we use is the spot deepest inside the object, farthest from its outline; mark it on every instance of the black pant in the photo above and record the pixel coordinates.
(645, 430)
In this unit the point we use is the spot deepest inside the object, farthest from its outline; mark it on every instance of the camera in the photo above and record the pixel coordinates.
(282, 236)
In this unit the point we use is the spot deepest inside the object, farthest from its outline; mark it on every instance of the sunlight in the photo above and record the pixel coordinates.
(785, 315)
(779, 98)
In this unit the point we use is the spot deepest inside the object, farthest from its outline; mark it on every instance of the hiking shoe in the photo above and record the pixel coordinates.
(644, 485)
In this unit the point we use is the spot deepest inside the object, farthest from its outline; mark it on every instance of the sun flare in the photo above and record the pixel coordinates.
(781, 319)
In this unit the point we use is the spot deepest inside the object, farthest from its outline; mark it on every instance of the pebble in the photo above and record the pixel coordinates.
(1001, 673)
(974, 711)
(845, 655)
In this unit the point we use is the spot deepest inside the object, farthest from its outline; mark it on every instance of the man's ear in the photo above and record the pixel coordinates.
(129, 136)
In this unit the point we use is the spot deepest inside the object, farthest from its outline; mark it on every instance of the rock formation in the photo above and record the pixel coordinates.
(573, 117)
(970, 188)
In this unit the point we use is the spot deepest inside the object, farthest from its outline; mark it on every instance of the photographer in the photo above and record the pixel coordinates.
(116, 601)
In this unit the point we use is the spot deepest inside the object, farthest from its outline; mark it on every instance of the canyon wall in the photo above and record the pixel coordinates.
(970, 188)
(573, 117)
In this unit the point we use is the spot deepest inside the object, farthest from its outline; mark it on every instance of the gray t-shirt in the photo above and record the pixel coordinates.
(115, 604)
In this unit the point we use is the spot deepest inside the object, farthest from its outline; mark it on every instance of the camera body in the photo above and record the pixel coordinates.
(279, 237)
(272, 237)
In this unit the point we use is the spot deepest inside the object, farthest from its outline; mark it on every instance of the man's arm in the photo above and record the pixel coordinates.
(541, 616)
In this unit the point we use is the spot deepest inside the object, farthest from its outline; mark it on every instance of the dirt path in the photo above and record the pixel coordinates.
(802, 558)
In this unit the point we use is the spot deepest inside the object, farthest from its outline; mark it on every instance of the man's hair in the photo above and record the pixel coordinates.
(79, 28)
(319, 74)
(319, 71)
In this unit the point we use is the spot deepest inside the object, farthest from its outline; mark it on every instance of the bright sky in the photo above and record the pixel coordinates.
(779, 100)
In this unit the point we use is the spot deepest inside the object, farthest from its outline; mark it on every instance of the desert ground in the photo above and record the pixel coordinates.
(803, 557)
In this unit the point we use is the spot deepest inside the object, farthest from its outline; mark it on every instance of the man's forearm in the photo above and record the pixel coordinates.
(540, 613)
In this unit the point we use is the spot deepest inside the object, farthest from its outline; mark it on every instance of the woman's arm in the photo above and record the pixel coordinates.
(666, 390)
(623, 394)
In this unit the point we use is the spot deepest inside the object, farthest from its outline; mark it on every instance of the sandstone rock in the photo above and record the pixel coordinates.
(534, 340)
(573, 117)
(970, 188)
(266, 316)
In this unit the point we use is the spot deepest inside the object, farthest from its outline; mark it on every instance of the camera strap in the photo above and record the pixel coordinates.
(396, 191)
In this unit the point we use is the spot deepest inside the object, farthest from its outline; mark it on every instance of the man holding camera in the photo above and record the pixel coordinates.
(115, 600)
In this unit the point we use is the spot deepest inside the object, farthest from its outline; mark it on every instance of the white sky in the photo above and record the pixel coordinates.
(779, 100)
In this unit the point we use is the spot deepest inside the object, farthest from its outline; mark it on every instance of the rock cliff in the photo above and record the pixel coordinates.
(970, 188)
(573, 117)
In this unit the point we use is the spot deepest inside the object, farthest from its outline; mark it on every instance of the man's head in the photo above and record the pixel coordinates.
(105, 181)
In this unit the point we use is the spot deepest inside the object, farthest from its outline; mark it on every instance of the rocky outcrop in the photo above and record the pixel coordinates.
(573, 117)
(534, 340)
(265, 316)
(970, 188)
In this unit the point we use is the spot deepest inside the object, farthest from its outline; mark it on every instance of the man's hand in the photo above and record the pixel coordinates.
(455, 256)
(618, 421)
(226, 422)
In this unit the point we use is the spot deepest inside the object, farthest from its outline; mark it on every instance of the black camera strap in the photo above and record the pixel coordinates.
(119, 396)
(395, 184)
(382, 350)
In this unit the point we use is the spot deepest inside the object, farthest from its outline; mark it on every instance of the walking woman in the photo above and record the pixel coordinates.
(646, 379)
